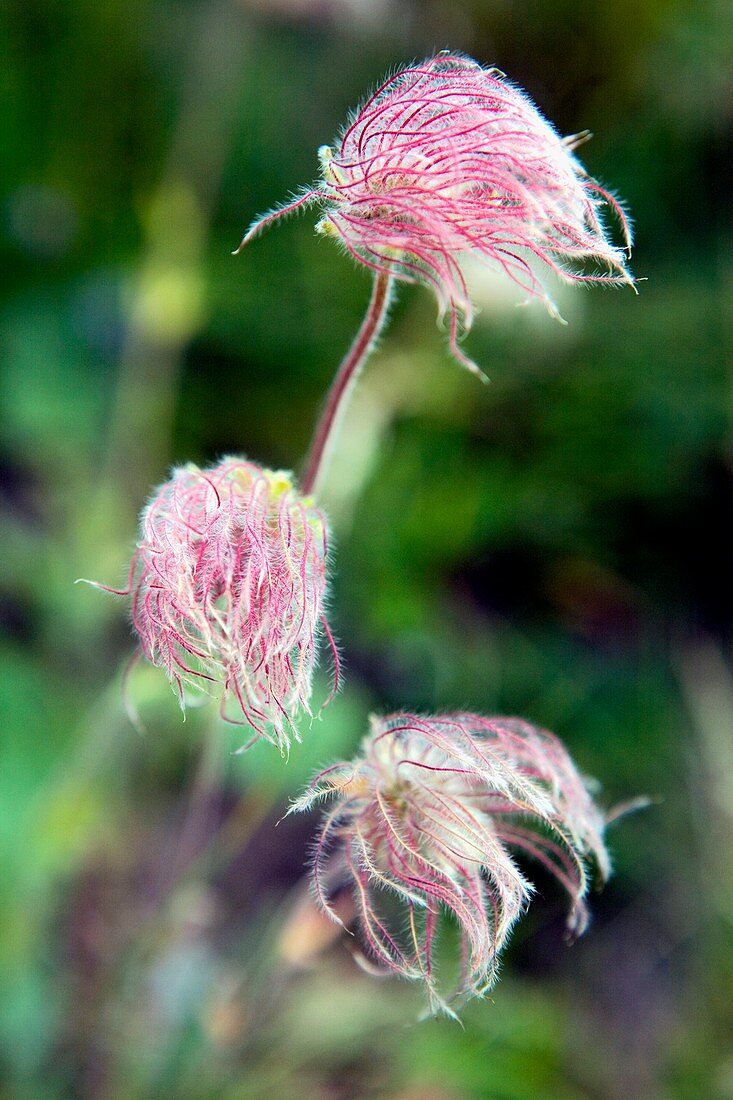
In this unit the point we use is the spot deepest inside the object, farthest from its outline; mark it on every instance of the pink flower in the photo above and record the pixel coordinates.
(228, 583)
(426, 818)
(447, 158)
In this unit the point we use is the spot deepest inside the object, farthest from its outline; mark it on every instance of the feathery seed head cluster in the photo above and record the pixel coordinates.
(229, 577)
(428, 816)
(448, 158)
(228, 584)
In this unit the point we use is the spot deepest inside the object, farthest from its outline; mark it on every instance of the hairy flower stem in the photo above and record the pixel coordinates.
(328, 426)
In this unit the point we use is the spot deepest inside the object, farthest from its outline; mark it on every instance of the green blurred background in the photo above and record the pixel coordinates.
(557, 544)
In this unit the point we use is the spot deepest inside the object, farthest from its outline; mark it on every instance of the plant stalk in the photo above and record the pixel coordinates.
(329, 423)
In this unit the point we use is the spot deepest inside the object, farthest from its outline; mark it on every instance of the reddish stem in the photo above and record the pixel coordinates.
(328, 425)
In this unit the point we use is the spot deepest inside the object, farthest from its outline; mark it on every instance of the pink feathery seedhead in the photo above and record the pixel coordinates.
(228, 584)
(426, 819)
(448, 158)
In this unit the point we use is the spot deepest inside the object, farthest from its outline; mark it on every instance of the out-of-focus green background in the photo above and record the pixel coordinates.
(558, 544)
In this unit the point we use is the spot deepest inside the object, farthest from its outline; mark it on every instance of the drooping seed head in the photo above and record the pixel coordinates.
(426, 820)
(228, 584)
(447, 159)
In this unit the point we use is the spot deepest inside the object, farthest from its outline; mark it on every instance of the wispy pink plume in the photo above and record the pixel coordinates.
(429, 817)
(447, 158)
(228, 583)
